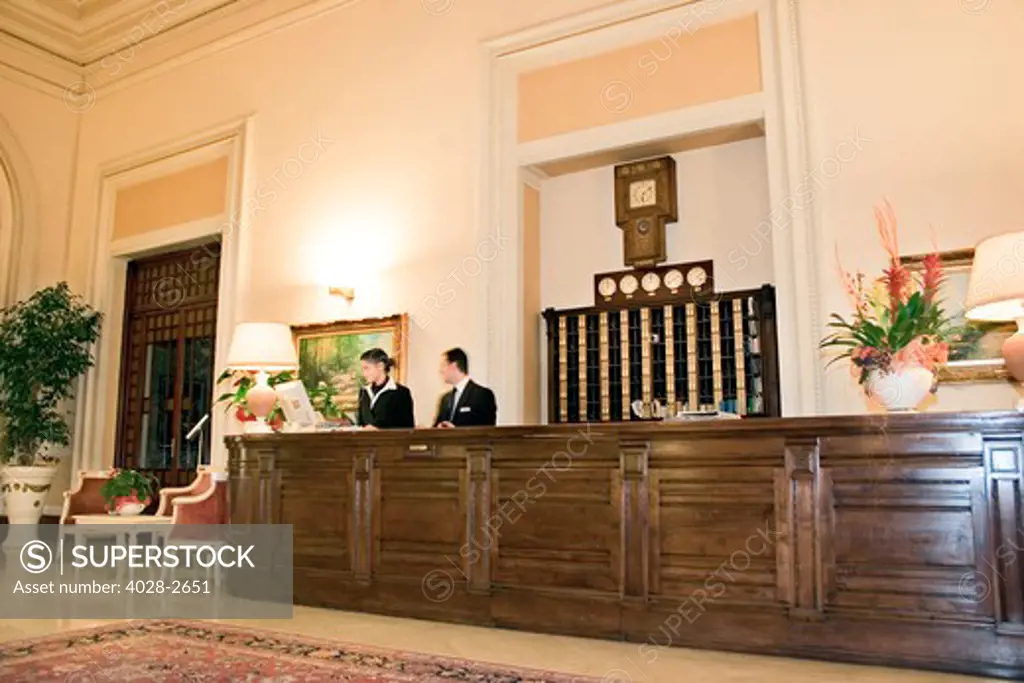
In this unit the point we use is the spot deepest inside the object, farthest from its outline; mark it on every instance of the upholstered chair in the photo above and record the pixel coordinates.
(204, 501)
(84, 496)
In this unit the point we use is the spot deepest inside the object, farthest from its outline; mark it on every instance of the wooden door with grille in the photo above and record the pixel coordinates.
(167, 366)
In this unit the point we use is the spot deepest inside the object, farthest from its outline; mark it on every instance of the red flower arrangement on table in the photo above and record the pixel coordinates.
(898, 322)
(127, 487)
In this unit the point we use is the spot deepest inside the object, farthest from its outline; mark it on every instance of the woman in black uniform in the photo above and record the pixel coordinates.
(383, 402)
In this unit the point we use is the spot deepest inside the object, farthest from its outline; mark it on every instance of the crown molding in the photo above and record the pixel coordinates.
(118, 42)
(34, 68)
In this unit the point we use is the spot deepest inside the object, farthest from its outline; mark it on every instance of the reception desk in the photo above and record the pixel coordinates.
(886, 540)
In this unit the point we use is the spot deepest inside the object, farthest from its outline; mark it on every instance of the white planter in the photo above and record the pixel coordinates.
(900, 391)
(24, 490)
(130, 509)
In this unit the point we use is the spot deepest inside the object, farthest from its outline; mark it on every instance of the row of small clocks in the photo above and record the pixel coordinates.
(653, 285)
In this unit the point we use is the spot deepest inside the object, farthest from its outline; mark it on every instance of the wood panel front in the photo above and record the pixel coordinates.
(894, 540)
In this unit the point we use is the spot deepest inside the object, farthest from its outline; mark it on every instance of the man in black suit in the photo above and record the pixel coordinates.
(468, 404)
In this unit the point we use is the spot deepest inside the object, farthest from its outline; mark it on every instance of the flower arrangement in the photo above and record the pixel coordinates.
(126, 487)
(323, 397)
(898, 320)
(241, 382)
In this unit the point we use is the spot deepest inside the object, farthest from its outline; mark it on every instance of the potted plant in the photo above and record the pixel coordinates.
(898, 333)
(127, 492)
(241, 382)
(46, 344)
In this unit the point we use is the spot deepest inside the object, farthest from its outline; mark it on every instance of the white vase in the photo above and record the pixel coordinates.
(902, 390)
(24, 490)
(130, 509)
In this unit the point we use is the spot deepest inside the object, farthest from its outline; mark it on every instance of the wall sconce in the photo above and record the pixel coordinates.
(347, 292)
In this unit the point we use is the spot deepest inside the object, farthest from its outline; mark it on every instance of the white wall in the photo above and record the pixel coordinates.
(38, 136)
(935, 86)
(723, 196)
(390, 203)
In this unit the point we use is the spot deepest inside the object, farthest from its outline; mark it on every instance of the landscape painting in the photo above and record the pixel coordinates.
(329, 354)
(975, 353)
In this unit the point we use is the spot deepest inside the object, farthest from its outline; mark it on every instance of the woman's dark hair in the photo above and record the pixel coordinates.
(378, 356)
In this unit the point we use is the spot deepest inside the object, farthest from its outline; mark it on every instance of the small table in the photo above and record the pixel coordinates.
(131, 536)
(127, 520)
(120, 519)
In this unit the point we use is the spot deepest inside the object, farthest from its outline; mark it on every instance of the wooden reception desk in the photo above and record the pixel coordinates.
(886, 540)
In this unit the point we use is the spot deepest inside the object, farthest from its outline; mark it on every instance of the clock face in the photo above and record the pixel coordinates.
(673, 279)
(606, 287)
(697, 277)
(651, 282)
(628, 284)
(642, 193)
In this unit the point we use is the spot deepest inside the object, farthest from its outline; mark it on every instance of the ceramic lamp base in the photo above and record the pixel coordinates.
(258, 426)
(1013, 354)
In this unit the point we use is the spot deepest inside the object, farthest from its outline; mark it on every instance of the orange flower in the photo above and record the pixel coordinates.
(921, 351)
(896, 276)
(854, 287)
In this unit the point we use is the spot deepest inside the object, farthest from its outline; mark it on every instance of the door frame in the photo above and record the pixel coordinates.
(124, 384)
(779, 106)
(96, 419)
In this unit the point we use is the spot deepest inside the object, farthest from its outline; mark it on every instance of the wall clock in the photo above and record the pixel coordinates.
(628, 284)
(645, 199)
(606, 287)
(674, 283)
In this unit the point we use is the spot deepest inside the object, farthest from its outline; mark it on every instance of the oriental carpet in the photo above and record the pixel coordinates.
(207, 652)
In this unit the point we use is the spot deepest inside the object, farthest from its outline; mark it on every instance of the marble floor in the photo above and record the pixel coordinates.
(608, 661)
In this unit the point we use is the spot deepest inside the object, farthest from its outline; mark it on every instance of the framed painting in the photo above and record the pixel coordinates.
(975, 353)
(329, 354)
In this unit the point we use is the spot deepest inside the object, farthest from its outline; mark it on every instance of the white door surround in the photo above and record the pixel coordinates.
(779, 108)
(97, 415)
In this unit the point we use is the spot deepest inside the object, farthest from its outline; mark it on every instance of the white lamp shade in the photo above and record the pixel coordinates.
(263, 346)
(996, 288)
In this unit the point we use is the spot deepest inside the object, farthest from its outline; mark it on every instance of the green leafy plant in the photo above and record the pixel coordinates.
(126, 484)
(323, 399)
(46, 344)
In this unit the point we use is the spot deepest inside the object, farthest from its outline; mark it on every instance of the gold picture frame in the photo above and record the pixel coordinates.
(986, 363)
(329, 352)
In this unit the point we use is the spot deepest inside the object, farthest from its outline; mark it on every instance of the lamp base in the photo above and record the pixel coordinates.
(258, 426)
(1013, 354)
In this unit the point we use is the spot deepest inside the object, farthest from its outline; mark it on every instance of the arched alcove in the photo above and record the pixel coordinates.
(17, 216)
(6, 234)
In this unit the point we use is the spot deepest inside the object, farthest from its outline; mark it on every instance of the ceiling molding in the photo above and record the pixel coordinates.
(75, 48)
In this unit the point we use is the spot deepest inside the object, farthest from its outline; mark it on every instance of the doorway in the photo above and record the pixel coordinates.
(167, 367)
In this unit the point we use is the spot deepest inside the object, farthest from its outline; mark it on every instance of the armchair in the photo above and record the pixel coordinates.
(84, 497)
(204, 501)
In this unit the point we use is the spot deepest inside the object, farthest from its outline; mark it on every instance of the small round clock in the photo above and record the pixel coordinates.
(651, 282)
(628, 284)
(674, 279)
(606, 287)
(697, 277)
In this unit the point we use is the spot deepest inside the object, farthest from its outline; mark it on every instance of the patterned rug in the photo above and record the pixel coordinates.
(194, 652)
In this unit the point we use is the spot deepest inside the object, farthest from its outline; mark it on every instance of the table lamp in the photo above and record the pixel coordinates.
(996, 293)
(265, 348)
